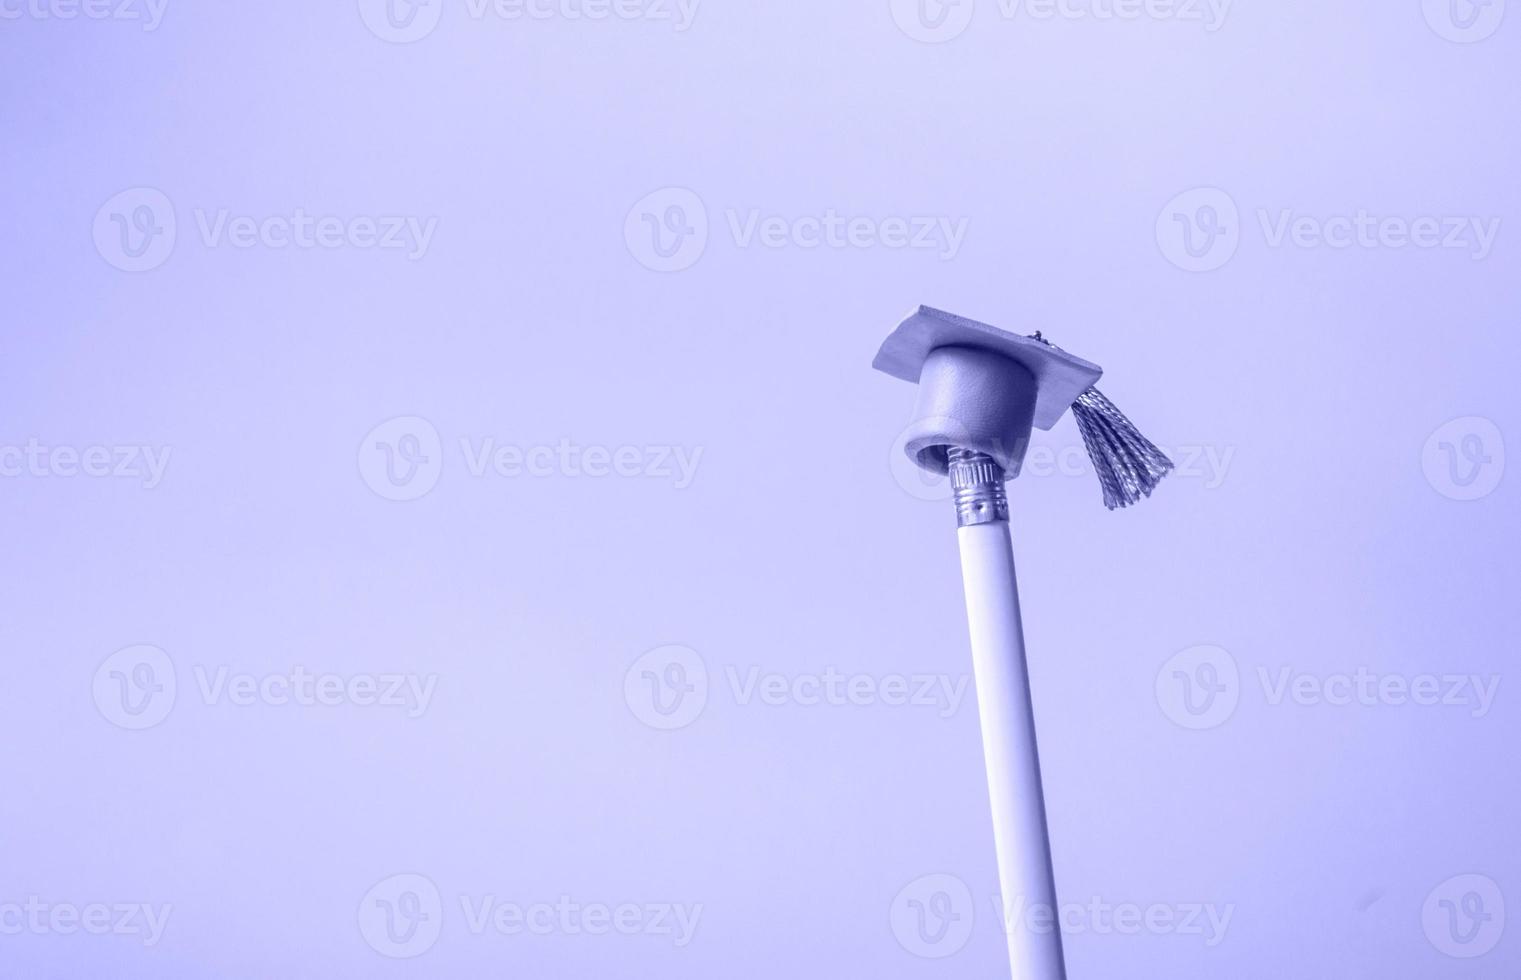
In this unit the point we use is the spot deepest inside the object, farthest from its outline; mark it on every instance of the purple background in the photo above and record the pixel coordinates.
(1331, 542)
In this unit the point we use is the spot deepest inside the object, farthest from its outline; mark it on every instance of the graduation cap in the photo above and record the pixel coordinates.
(984, 389)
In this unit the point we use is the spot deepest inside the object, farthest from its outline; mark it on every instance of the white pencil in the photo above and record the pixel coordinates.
(981, 391)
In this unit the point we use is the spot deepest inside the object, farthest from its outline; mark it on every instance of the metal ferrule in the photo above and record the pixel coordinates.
(979, 487)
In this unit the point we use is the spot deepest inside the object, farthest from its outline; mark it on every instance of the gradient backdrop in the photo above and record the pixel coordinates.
(453, 529)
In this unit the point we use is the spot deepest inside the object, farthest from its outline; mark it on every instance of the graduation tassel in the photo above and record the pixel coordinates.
(1128, 465)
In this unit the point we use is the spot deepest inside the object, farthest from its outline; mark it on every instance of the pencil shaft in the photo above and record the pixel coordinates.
(1009, 749)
